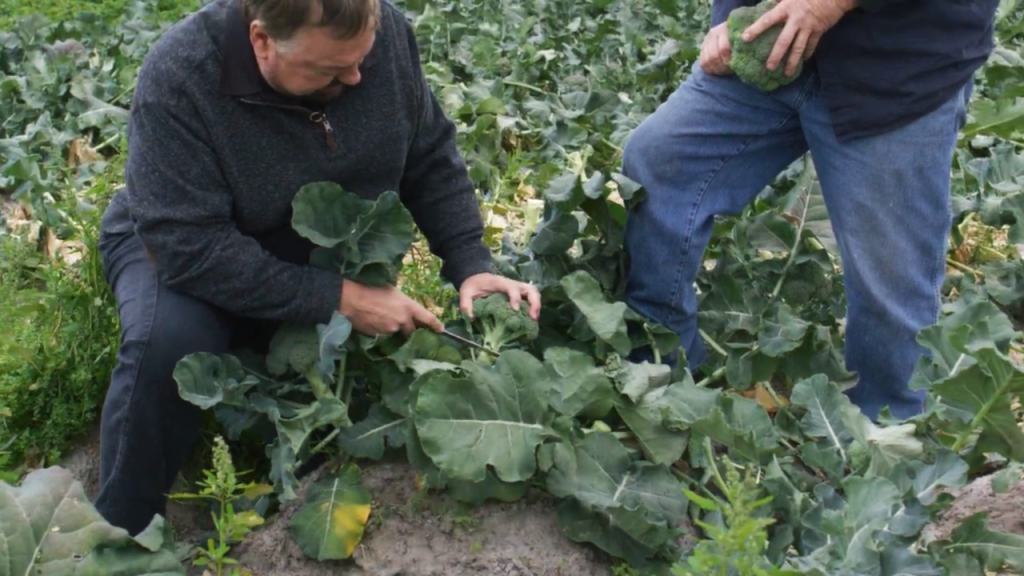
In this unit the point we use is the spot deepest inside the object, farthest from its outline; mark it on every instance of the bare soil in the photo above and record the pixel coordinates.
(1006, 510)
(414, 534)
(409, 533)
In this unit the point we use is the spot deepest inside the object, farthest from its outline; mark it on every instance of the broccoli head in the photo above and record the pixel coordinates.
(499, 324)
(297, 347)
(294, 346)
(749, 58)
(805, 282)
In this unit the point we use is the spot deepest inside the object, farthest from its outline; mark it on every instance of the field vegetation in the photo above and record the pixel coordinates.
(760, 466)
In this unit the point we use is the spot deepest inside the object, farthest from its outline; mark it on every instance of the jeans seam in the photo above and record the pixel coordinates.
(938, 269)
(121, 447)
(688, 244)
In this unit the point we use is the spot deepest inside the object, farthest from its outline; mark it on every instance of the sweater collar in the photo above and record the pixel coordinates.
(240, 74)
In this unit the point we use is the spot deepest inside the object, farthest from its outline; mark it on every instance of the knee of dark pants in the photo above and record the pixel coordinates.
(181, 326)
(189, 336)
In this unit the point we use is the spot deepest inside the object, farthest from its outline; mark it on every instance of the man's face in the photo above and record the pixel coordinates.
(312, 63)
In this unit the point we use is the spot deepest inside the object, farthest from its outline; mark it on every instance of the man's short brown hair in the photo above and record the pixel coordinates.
(283, 18)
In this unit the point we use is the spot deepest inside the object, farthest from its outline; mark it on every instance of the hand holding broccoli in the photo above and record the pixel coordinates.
(485, 284)
(716, 51)
(802, 24)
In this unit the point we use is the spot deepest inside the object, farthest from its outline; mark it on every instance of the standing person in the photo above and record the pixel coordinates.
(236, 108)
(882, 94)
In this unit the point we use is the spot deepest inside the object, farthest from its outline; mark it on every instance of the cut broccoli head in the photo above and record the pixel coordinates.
(749, 58)
(500, 325)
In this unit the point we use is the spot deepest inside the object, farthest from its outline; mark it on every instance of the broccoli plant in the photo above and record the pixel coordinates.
(500, 325)
(749, 58)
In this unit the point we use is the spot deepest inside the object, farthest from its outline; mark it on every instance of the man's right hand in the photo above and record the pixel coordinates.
(383, 310)
(716, 51)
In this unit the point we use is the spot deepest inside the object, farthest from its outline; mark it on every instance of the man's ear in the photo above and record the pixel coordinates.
(262, 44)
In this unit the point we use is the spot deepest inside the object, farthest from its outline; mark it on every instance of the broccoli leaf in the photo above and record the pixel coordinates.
(331, 522)
(364, 240)
(368, 437)
(497, 416)
(48, 527)
(629, 506)
(606, 319)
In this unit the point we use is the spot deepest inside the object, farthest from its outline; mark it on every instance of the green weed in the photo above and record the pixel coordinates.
(62, 336)
(222, 487)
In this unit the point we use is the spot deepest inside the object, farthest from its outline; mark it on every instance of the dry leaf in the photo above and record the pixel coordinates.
(763, 397)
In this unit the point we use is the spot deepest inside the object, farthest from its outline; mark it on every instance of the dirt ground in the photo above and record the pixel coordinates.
(411, 535)
(407, 535)
(1006, 510)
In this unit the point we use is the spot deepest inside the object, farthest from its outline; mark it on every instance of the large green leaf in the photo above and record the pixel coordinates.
(368, 437)
(494, 416)
(364, 240)
(740, 424)
(824, 405)
(577, 383)
(48, 527)
(629, 507)
(206, 379)
(606, 319)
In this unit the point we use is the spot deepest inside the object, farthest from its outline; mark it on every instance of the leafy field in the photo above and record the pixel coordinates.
(763, 462)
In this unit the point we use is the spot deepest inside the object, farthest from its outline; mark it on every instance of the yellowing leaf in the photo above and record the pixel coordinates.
(348, 519)
(330, 524)
(763, 397)
(256, 490)
(249, 518)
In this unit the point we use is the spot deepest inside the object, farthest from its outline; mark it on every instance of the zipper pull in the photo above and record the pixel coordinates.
(321, 119)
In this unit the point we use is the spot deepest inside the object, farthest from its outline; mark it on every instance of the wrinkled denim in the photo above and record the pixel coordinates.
(716, 143)
(147, 431)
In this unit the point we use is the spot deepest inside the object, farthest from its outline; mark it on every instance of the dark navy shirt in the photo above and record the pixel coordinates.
(889, 62)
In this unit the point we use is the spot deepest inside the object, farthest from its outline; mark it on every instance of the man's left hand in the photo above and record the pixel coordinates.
(480, 285)
(805, 22)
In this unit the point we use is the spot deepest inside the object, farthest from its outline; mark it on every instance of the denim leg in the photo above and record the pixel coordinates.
(147, 430)
(707, 150)
(888, 198)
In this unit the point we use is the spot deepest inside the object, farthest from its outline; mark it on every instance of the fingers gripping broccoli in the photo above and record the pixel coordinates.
(499, 324)
(748, 59)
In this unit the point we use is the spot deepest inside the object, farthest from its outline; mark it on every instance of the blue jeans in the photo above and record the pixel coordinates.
(147, 431)
(716, 143)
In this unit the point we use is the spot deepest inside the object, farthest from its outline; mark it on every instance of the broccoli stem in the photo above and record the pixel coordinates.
(323, 443)
(795, 249)
(341, 379)
(653, 343)
(316, 381)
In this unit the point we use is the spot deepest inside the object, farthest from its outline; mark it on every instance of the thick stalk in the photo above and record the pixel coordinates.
(965, 268)
(979, 418)
(793, 250)
(320, 446)
(712, 343)
(522, 85)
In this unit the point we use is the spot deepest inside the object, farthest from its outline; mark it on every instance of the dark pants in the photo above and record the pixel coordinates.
(147, 430)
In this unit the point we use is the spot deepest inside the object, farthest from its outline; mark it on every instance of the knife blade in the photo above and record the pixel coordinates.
(468, 342)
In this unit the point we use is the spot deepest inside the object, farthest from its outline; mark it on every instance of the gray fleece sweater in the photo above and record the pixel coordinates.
(215, 157)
